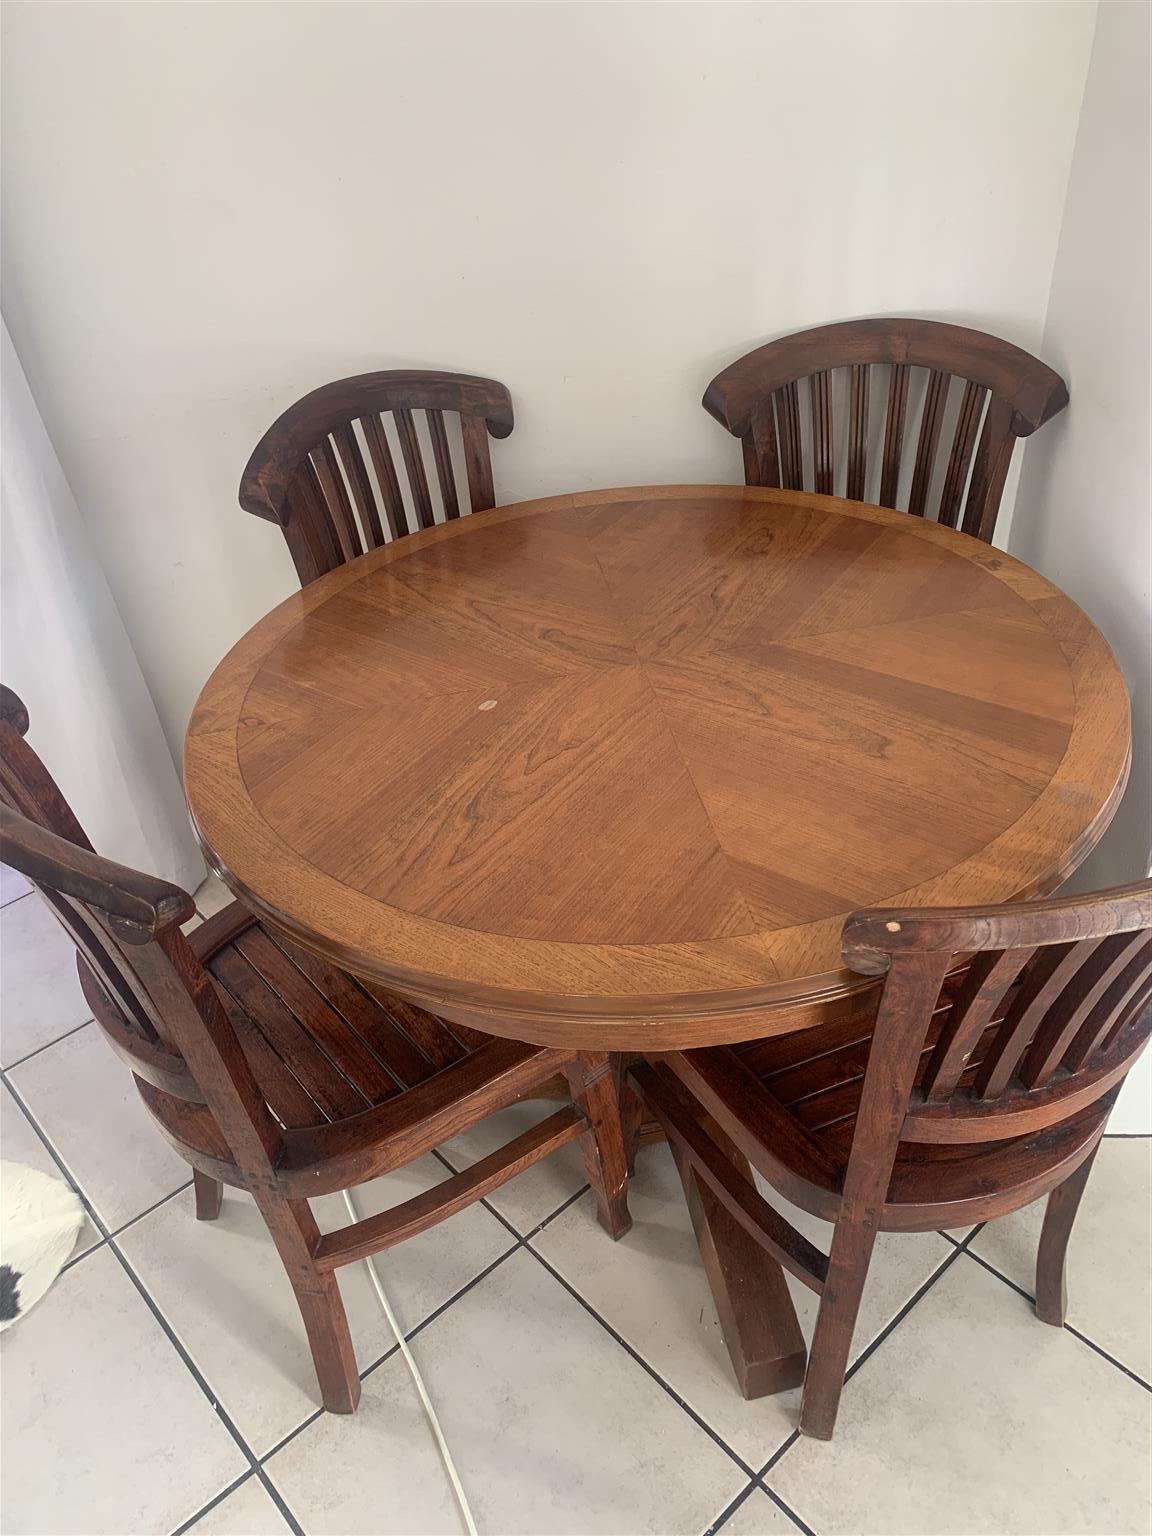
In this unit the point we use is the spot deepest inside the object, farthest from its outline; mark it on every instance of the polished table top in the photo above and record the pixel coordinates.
(611, 768)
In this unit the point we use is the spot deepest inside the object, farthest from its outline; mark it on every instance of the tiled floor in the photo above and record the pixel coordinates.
(164, 1384)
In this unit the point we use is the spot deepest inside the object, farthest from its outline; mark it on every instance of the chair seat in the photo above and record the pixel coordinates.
(321, 1044)
(813, 1080)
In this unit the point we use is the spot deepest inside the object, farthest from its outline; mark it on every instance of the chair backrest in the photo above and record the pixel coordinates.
(326, 470)
(790, 438)
(166, 1020)
(1046, 1019)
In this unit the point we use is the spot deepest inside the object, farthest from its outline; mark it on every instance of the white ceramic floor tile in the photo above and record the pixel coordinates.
(223, 1290)
(85, 1101)
(973, 1417)
(212, 896)
(758, 1516)
(553, 1427)
(375, 1473)
(40, 996)
(247, 1512)
(19, 1143)
(532, 1196)
(104, 1429)
(12, 885)
(652, 1288)
(1109, 1264)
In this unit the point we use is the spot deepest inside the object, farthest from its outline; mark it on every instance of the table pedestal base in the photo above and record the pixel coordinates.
(756, 1314)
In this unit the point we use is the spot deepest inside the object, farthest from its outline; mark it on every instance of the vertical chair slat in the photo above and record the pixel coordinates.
(893, 434)
(788, 437)
(858, 432)
(357, 473)
(989, 977)
(1075, 1005)
(820, 385)
(478, 462)
(443, 458)
(1049, 973)
(1114, 1009)
(1137, 1001)
(381, 454)
(963, 441)
(761, 454)
(935, 399)
(336, 498)
(993, 455)
(987, 368)
(308, 530)
(414, 464)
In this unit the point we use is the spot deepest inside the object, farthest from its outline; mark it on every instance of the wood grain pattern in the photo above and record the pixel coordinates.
(917, 1114)
(1022, 393)
(268, 1068)
(294, 478)
(612, 768)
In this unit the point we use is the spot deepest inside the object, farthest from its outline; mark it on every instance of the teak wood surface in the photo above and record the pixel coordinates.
(611, 769)
(807, 409)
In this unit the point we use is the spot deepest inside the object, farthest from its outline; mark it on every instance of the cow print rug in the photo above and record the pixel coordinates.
(40, 1220)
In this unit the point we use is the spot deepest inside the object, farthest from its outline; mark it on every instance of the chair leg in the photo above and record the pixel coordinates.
(594, 1079)
(295, 1234)
(1059, 1214)
(631, 1118)
(209, 1194)
(835, 1324)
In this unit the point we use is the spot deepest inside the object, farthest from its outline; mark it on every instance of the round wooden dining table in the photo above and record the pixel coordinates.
(609, 770)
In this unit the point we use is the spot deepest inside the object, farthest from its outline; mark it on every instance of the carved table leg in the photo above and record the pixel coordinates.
(757, 1317)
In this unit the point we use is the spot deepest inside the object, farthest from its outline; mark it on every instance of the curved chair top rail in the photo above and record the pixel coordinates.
(1034, 391)
(296, 432)
(872, 938)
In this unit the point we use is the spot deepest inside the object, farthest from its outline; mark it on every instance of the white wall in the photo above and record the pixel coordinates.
(1084, 510)
(210, 209)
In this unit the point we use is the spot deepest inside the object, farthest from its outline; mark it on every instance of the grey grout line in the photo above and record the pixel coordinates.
(955, 1241)
(503, 1220)
(917, 1296)
(867, 1353)
(202, 1382)
(777, 1455)
(559, 1211)
(1068, 1328)
(212, 1503)
(257, 1464)
(463, 1291)
(640, 1360)
(801, 1525)
(1111, 1359)
(47, 1046)
(60, 1164)
(155, 1206)
(12, 900)
(73, 1182)
(394, 1348)
(109, 1245)
(730, 1509)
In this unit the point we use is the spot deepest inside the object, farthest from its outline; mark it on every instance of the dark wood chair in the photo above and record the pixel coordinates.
(792, 442)
(966, 1092)
(310, 470)
(271, 1070)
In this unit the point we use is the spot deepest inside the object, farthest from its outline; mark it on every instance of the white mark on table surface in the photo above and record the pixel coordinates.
(488, 704)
